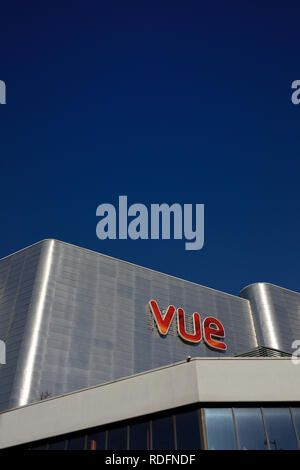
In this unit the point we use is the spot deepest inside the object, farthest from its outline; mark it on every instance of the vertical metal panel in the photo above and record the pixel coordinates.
(276, 313)
(174, 431)
(295, 428)
(203, 431)
(17, 278)
(235, 429)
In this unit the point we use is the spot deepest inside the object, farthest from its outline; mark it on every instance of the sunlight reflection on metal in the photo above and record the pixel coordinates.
(37, 323)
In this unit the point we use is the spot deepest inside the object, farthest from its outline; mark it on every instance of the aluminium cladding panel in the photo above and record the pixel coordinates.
(91, 322)
(276, 313)
(17, 277)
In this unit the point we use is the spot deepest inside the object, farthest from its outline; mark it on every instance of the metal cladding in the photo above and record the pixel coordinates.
(276, 314)
(72, 318)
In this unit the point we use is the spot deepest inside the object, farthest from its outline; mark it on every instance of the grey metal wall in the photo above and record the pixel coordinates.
(17, 278)
(88, 321)
(276, 313)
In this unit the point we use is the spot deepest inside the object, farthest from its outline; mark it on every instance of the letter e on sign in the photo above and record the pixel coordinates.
(213, 328)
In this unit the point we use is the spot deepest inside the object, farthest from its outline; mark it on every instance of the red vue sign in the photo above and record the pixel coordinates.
(212, 328)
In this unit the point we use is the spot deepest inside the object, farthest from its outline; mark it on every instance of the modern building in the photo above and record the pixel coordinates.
(104, 354)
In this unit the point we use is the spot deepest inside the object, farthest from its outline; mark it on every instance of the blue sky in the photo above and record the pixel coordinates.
(186, 102)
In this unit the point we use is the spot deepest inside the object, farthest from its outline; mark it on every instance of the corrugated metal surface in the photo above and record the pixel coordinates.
(276, 313)
(262, 351)
(17, 278)
(88, 322)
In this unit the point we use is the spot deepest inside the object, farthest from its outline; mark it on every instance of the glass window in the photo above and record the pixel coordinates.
(187, 431)
(140, 436)
(163, 433)
(117, 438)
(296, 415)
(76, 443)
(250, 429)
(57, 445)
(38, 447)
(220, 429)
(96, 441)
(280, 428)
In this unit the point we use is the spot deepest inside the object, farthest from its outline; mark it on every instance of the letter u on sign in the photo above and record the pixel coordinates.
(192, 338)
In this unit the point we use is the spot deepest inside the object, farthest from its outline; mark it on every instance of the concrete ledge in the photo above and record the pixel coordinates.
(204, 380)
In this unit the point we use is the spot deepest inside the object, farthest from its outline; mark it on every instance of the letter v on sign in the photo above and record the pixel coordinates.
(163, 323)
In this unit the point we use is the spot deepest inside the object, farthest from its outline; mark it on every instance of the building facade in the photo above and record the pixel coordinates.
(72, 319)
(205, 403)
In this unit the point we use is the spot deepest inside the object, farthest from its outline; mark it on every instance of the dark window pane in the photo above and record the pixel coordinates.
(187, 431)
(117, 439)
(96, 441)
(296, 415)
(280, 428)
(57, 445)
(163, 433)
(140, 436)
(250, 427)
(220, 429)
(76, 443)
(44, 447)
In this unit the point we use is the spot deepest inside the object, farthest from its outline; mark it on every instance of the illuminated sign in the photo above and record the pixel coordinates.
(212, 328)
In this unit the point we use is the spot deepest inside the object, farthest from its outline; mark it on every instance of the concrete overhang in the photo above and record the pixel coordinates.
(200, 380)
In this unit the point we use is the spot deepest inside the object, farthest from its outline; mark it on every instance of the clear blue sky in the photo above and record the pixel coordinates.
(177, 101)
